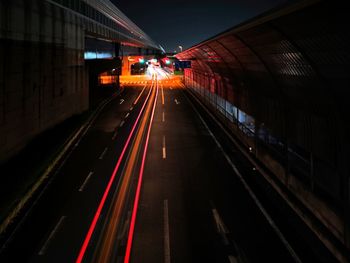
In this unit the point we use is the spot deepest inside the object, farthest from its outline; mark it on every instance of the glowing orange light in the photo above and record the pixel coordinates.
(105, 80)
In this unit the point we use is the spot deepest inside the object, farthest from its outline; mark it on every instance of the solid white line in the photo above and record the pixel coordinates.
(166, 233)
(103, 153)
(164, 148)
(163, 117)
(121, 124)
(127, 115)
(85, 182)
(249, 190)
(54, 231)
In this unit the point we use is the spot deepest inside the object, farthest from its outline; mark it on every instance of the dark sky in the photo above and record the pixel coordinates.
(185, 23)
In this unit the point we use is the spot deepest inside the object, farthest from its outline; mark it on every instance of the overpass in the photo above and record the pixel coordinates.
(49, 49)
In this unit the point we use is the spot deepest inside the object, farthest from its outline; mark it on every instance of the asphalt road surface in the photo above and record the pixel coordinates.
(152, 181)
(193, 208)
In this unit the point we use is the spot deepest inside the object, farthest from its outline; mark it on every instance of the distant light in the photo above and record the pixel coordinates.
(167, 61)
(97, 55)
(141, 60)
(90, 55)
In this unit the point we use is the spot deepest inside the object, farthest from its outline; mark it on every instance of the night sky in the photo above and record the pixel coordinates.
(187, 22)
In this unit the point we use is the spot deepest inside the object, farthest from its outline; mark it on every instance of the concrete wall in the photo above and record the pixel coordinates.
(42, 76)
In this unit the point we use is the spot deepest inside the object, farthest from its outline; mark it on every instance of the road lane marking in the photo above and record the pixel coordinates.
(85, 182)
(127, 115)
(232, 259)
(52, 234)
(131, 108)
(125, 226)
(166, 233)
(163, 116)
(220, 226)
(103, 153)
(121, 124)
(115, 135)
(162, 96)
(164, 148)
(249, 190)
(121, 101)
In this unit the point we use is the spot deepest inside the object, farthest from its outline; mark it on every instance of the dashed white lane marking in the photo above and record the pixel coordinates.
(125, 227)
(164, 148)
(121, 124)
(163, 101)
(103, 153)
(115, 135)
(127, 115)
(166, 233)
(232, 259)
(121, 101)
(51, 236)
(85, 182)
(163, 116)
(220, 226)
(131, 108)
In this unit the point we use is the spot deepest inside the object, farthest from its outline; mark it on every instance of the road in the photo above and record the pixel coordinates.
(153, 180)
(193, 208)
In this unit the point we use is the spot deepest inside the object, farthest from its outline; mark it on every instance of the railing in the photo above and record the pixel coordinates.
(299, 162)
